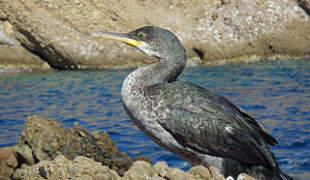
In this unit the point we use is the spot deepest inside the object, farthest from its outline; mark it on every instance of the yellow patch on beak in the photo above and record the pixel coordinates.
(118, 37)
(132, 42)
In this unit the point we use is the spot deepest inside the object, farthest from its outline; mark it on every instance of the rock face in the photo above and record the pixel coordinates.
(214, 31)
(13, 56)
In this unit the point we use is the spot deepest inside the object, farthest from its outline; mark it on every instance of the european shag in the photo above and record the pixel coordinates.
(196, 124)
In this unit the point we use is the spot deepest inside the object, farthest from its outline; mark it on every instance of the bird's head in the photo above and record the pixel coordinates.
(153, 41)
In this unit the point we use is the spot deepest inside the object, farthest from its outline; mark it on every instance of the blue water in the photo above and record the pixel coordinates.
(277, 94)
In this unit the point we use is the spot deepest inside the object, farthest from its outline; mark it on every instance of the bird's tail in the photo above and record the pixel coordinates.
(284, 176)
(262, 173)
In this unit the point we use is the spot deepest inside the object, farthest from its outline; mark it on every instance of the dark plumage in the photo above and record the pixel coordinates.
(188, 120)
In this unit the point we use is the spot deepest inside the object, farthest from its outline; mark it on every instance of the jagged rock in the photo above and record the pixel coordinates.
(24, 153)
(213, 31)
(47, 138)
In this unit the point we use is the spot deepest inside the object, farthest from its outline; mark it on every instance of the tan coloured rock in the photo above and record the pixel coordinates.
(200, 172)
(213, 31)
(8, 161)
(63, 168)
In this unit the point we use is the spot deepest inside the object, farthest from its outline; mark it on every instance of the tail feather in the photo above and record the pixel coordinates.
(284, 176)
(262, 173)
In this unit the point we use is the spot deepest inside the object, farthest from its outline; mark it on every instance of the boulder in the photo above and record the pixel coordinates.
(47, 139)
(8, 161)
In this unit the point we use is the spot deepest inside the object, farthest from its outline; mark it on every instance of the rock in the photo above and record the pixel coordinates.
(63, 168)
(25, 154)
(140, 170)
(8, 161)
(160, 169)
(177, 174)
(243, 176)
(305, 4)
(14, 57)
(215, 173)
(214, 31)
(200, 172)
(49, 151)
(47, 138)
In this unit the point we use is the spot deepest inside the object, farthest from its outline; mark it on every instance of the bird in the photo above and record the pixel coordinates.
(196, 124)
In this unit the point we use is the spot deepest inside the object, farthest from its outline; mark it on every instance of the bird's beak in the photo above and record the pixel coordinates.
(122, 37)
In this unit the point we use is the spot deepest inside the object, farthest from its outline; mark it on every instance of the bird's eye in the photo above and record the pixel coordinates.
(140, 36)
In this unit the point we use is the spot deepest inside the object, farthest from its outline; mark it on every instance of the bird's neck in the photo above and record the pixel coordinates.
(166, 70)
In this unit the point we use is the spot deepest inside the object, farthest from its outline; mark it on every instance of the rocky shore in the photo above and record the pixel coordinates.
(49, 151)
(42, 35)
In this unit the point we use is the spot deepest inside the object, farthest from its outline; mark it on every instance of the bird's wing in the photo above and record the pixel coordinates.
(211, 124)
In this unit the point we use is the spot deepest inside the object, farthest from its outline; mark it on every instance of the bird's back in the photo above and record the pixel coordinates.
(209, 123)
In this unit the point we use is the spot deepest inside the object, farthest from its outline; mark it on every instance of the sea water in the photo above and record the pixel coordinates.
(275, 93)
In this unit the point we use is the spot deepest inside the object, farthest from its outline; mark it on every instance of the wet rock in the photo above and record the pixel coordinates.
(8, 162)
(58, 32)
(47, 138)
